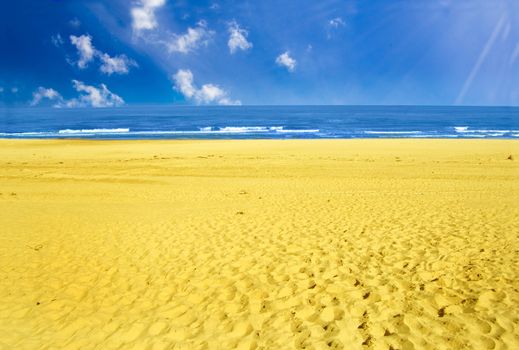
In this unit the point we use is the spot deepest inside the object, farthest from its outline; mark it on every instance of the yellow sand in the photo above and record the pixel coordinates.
(378, 244)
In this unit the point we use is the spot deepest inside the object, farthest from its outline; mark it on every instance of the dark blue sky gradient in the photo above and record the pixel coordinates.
(428, 52)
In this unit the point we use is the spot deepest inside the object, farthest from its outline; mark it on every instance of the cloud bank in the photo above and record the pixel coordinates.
(120, 64)
(89, 96)
(207, 94)
(44, 93)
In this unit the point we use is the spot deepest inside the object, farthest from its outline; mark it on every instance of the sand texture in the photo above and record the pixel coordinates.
(323, 244)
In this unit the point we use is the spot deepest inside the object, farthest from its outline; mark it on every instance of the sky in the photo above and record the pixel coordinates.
(94, 53)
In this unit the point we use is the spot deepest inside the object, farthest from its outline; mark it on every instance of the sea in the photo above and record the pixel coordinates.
(260, 122)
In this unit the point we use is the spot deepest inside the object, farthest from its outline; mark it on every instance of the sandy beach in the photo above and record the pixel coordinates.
(268, 244)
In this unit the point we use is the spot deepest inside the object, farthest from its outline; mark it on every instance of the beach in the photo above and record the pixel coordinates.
(259, 244)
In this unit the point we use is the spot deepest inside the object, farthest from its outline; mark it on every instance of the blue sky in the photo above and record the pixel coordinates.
(107, 53)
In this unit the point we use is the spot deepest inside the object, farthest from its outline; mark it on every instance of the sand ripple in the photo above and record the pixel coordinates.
(259, 245)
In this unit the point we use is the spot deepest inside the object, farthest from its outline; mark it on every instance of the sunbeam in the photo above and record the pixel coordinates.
(481, 59)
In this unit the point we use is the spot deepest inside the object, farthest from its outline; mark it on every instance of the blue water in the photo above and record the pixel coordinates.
(246, 122)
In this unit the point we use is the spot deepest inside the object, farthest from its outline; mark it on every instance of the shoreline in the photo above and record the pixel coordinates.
(259, 139)
(266, 139)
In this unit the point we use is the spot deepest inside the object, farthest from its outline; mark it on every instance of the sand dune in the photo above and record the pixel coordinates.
(344, 244)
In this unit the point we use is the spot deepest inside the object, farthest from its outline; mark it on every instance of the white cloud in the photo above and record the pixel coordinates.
(238, 38)
(333, 25)
(208, 93)
(56, 40)
(118, 64)
(225, 101)
(1, 89)
(184, 83)
(143, 15)
(85, 49)
(285, 60)
(74, 22)
(45, 93)
(89, 96)
(191, 40)
(14, 90)
(336, 22)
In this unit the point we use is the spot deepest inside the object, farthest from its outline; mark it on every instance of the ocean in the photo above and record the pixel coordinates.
(258, 122)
